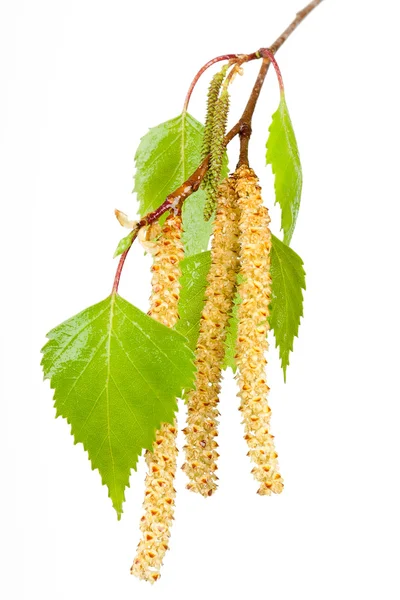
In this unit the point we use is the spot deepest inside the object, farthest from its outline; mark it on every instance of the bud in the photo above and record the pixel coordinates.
(202, 422)
(159, 500)
(124, 220)
(254, 290)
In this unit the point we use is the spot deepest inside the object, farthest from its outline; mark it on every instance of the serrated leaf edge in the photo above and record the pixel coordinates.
(301, 315)
(72, 428)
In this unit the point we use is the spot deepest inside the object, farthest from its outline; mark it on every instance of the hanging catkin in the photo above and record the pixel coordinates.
(255, 291)
(217, 149)
(212, 97)
(159, 498)
(202, 423)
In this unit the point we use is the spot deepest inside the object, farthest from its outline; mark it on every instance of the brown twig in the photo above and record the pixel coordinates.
(175, 200)
(293, 25)
(246, 118)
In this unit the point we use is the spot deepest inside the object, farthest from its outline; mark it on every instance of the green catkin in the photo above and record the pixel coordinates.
(212, 97)
(159, 499)
(217, 149)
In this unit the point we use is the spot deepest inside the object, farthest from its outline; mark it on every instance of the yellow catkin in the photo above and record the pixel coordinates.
(202, 422)
(159, 501)
(255, 291)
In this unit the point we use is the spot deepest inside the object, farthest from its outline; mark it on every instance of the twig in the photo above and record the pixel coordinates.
(243, 128)
(293, 25)
(246, 118)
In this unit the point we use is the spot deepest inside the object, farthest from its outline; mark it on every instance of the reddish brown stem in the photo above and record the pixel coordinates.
(247, 116)
(119, 269)
(234, 58)
(204, 68)
(268, 55)
(172, 202)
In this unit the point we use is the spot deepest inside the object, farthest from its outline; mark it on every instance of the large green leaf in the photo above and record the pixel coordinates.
(283, 155)
(167, 155)
(191, 301)
(116, 374)
(288, 282)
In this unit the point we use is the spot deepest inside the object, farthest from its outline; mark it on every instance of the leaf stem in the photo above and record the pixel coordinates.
(268, 54)
(213, 61)
(119, 269)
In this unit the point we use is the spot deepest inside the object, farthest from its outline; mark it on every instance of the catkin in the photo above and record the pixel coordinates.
(202, 422)
(217, 149)
(212, 97)
(254, 290)
(159, 501)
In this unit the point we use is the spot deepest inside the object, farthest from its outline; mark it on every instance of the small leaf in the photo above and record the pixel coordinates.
(124, 244)
(193, 281)
(167, 155)
(283, 155)
(288, 281)
(116, 374)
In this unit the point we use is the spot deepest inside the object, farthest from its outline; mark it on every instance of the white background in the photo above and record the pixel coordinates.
(81, 82)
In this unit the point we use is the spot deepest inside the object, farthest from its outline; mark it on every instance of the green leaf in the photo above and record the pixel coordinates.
(193, 281)
(167, 155)
(283, 155)
(116, 374)
(288, 281)
(124, 244)
(286, 308)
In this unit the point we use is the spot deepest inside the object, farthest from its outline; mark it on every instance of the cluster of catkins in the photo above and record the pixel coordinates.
(240, 263)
